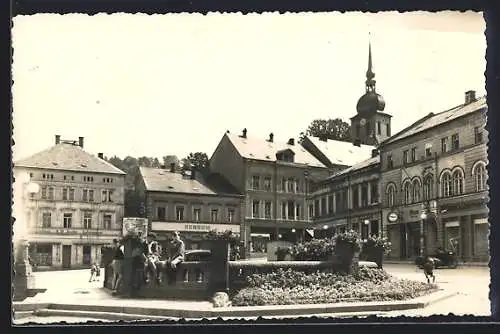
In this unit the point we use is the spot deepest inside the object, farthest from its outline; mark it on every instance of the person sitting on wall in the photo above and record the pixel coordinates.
(152, 251)
(176, 250)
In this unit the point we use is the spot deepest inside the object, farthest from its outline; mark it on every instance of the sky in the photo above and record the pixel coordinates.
(156, 85)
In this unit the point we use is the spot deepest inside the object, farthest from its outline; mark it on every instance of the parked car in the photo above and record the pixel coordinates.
(197, 255)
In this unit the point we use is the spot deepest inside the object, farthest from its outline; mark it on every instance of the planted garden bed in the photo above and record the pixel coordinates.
(284, 287)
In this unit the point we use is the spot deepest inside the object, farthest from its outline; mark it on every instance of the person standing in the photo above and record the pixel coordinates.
(116, 264)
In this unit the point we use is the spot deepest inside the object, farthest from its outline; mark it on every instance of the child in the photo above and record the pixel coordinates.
(97, 271)
(93, 272)
(429, 269)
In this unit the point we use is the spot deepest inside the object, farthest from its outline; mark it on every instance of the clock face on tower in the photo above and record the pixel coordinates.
(362, 122)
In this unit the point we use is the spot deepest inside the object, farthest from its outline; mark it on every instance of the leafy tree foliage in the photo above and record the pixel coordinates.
(335, 129)
(197, 160)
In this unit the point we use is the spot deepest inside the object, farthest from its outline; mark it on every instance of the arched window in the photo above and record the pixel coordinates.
(446, 184)
(416, 191)
(391, 195)
(458, 182)
(479, 172)
(407, 192)
(428, 187)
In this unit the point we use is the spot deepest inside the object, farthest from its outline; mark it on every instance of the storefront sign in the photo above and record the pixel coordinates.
(137, 225)
(481, 221)
(414, 213)
(452, 224)
(392, 217)
(194, 227)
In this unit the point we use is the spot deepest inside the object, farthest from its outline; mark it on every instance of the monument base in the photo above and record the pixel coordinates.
(24, 281)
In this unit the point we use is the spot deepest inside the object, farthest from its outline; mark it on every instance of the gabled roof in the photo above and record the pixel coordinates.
(261, 149)
(433, 120)
(360, 165)
(163, 180)
(341, 152)
(68, 157)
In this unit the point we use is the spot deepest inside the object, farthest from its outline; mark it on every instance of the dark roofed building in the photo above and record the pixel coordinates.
(74, 205)
(190, 202)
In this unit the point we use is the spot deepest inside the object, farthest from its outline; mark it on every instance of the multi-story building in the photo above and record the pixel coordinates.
(73, 204)
(190, 202)
(274, 178)
(433, 183)
(349, 199)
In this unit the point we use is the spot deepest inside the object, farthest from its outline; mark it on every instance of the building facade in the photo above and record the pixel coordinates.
(434, 184)
(274, 178)
(190, 202)
(73, 204)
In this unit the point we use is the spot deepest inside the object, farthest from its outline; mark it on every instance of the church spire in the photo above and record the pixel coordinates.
(370, 81)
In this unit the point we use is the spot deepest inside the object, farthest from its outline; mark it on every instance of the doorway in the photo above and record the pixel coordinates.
(87, 257)
(404, 238)
(66, 256)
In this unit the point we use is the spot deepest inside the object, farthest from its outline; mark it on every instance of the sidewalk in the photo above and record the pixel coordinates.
(460, 264)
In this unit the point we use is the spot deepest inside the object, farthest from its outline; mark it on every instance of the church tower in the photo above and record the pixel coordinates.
(370, 125)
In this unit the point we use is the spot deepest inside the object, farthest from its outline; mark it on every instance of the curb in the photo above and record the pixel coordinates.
(138, 313)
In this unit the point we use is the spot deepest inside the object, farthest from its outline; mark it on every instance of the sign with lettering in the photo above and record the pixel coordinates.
(134, 224)
(392, 217)
(194, 227)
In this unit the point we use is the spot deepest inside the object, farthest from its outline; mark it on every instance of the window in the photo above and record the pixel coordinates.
(71, 196)
(85, 195)
(255, 182)
(283, 210)
(413, 154)
(283, 185)
(323, 206)
(416, 191)
(290, 210)
(107, 196)
(46, 219)
(379, 128)
(296, 184)
(267, 183)
(407, 192)
(388, 129)
(458, 182)
(255, 209)
(196, 214)
(311, 211)
(161, 213)
(330, 204)
(446, 184)
(297, 211)
(364, 195)
(455, 141)
(50, 193)
(391, 194)
(355, 198)
(316, 207)
(179, 213)
(215, 215)
(444, 144)
(374, 192)
(230, 215)
(343, 197)
(479, 172)
(405, 156)
(65, 194)
(428, 152)
(267, 210)
(67, 220)
(106, 221)
(478, 135)
(390, 163)
(291, 185)
(87, 220)
(428, 187)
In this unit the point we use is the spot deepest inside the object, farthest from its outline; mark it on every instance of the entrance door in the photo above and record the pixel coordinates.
(87, 256)
(66, 257)
(404, 237)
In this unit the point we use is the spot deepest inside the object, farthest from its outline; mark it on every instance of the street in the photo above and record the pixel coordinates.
(472, 283)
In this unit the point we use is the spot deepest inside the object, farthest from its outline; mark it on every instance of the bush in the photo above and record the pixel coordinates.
(289, 287)
(233, 239)
(314, 250)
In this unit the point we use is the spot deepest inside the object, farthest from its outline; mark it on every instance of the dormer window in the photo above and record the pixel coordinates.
(285, 155)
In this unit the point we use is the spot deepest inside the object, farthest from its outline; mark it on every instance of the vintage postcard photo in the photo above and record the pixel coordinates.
(189, 166)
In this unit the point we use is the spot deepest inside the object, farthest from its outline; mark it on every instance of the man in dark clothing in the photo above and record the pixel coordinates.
(117, 265)
(176, 250)
(429, 269)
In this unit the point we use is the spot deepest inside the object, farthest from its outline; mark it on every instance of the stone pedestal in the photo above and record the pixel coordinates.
(24, 280)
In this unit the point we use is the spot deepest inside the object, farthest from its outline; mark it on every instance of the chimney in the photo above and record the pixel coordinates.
(58, 139)
(470, 96)
(244, 134)
(357, 142)
(193, 174)
(291, 141)
(80, 142)
(172, 167)
(271, 137)
(100, 156)
(374, 153)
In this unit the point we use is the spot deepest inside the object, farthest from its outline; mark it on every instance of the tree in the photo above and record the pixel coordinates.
(197, 160)
(171, 159)
(335, 129)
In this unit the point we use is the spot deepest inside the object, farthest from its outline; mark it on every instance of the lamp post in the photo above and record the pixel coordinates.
(423, 217)
(24, 281)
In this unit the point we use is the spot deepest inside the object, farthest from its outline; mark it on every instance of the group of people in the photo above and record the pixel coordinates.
(149, 261)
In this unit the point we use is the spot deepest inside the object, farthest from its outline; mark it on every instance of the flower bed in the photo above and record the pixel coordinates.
(284, 287)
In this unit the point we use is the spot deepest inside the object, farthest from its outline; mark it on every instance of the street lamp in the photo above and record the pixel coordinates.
(293, 230)
(423, 216)
(367, 222)
(23, 279)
